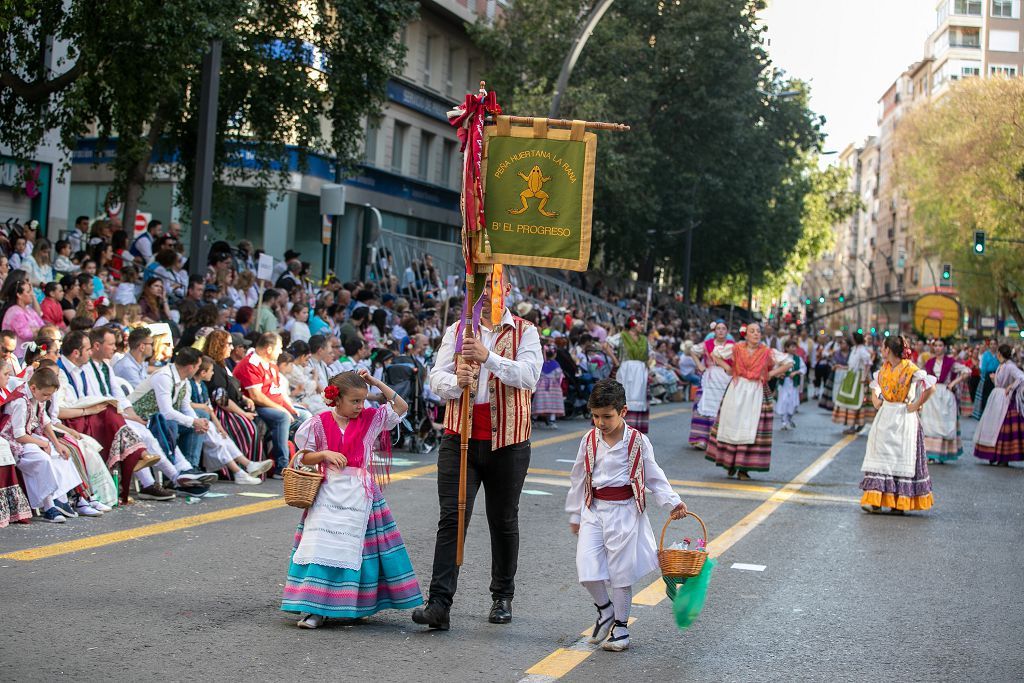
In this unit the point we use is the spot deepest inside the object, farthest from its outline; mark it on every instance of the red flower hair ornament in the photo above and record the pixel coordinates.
(331, 395)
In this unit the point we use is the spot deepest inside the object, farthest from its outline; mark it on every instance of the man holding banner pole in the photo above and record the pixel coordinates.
(501, 365)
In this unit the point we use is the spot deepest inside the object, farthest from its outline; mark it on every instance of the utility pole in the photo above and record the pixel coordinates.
(202, 190)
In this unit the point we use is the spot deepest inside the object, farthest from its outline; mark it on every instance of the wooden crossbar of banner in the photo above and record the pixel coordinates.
(566, 123)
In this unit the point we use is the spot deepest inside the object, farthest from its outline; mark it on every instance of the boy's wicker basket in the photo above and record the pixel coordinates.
(682, 564)
(301, 486)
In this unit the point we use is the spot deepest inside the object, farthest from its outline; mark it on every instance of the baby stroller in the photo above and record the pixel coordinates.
(417, 431)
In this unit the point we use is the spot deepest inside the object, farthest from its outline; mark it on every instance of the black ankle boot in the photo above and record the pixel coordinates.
(434, 615)
(501, 611)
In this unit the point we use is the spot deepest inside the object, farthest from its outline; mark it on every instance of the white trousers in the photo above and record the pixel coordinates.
(218, 450)
(46, 475)
(616, 544)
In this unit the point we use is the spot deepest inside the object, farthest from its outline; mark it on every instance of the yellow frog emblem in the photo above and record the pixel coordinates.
(534, 188)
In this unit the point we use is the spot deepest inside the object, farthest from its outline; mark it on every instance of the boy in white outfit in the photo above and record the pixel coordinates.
(607, 502)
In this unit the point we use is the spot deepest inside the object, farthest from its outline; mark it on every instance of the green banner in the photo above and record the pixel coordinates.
(538, 197)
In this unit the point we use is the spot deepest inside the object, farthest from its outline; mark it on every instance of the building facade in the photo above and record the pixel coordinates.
(880, 259)
(408, 181)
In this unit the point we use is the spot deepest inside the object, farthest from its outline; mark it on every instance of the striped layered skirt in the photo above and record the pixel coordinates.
(944, 450)
(700, 425)
(900, 493)
(243, 432)
(384, 580)
(1010, 440)
(753, 457)
(855, 418)
(639, 420)
(13, 502)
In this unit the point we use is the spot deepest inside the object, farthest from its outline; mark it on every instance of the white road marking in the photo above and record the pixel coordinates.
(748, 567)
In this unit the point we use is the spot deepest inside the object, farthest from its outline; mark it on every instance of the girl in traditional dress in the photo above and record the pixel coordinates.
(548, 402)
(713, 383)
(853, 405)
(987, 365)
(1000, 434)
(741, 438)
(632, 350)
(940, 417)
(349, 560)
(895, 467)
(43, 460)
(789, 388)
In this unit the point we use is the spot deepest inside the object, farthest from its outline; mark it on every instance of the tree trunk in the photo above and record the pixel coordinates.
(135, 180)
(1010, 304)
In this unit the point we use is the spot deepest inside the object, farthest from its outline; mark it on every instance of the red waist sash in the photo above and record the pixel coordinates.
(614, 493)
(481, 422)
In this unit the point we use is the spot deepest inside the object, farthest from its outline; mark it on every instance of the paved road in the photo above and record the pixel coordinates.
(169, 591)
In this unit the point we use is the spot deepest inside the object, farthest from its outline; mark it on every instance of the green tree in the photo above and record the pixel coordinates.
(706, 149)
(960, 161)
(134, 73)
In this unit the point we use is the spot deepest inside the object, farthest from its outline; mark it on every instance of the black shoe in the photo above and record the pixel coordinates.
(501, 611)
(433, 615)
(196, 491)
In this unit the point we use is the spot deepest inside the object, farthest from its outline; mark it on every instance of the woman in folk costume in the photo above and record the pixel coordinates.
(940, 417)
(632, 351)
(349, 560)
(548, 401)
(741, 438)
(1000, 434)
(988, 364)
(853, 406)
(713, 382)
(838, 351)
(895, 466)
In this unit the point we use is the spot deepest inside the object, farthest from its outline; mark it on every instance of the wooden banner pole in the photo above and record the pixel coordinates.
(567, 123)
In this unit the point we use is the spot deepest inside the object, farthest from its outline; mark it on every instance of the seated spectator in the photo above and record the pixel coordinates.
(257, 373)
(53, 312)
(217, 448)
(236, 412)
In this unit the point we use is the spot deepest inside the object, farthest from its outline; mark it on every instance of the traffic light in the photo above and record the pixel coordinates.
(979, 241)
(841, 298)
(785, 304)
(947, 271)
(807, 301)
(873, 330)
(860, 330)
(821, 299)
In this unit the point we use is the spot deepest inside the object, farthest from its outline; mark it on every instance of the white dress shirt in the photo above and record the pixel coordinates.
(521, 372)
(165, 383)
(611, 468)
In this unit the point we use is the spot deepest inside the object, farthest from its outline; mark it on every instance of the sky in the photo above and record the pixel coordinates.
(850, 51)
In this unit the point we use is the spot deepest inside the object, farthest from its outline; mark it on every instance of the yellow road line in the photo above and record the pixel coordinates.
(655, 593)
(558, 663)
(113, 537)
(564, 660)
(101, 540)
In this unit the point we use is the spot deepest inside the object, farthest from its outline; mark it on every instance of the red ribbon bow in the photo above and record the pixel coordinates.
(471, 133)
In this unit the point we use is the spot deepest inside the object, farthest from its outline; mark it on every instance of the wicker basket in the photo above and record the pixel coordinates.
(682, 564)
(301, 486)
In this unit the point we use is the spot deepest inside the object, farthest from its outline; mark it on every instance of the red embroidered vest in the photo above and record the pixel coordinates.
(636, 467)
(509, 406)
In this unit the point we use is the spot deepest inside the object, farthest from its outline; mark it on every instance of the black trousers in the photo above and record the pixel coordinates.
(502, 473)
